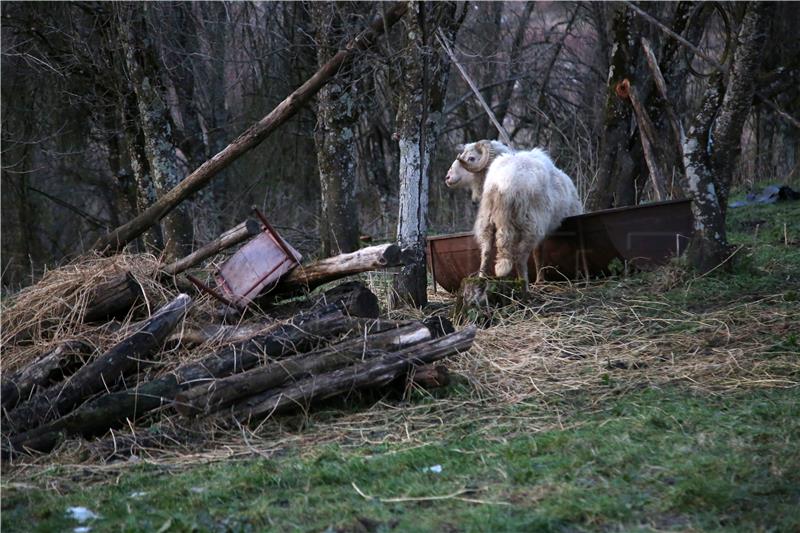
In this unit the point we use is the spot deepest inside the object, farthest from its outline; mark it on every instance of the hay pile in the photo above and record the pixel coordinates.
(568, 340)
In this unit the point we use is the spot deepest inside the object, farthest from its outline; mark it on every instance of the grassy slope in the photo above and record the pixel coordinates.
(642, 458)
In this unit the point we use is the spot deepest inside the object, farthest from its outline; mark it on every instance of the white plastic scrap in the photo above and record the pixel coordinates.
(436, 469)
(81, 514)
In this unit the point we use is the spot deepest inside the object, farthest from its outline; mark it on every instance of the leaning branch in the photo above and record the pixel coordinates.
(716, 64)
(253, 136)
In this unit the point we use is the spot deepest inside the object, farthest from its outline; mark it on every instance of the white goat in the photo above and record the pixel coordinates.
(523, 197)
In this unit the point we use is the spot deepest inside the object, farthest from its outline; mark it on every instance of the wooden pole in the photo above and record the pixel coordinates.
(232, 237)
(500, 129)
(253, 136)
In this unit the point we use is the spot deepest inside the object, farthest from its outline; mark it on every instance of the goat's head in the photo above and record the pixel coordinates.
(469, 168)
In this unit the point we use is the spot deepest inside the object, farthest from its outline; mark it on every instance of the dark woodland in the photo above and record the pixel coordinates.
(108, 106)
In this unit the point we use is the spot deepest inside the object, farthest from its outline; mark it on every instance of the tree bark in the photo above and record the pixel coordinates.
(251, 137)
(424, 70)
(615, 162)
(307, 277)
(221, 393)
(113, 298)
(335, 138)
(144, 69)
(247, 229)
(49, 369)
(372, 373)
(709, 165)
(104, 372)
(647, 136)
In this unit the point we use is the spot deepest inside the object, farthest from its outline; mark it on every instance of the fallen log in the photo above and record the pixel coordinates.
(357, 300)
(113, 298)
(116, 240)
(312, 275)
(373, 373)
(221, 393)
(219, 333)
(232, 237)
(110, 410)
(47, 370)
(103, 372)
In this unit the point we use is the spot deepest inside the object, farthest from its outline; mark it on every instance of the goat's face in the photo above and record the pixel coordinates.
(475, 157)
(459, 177)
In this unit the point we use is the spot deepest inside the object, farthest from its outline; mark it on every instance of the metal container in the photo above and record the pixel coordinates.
(641, 236)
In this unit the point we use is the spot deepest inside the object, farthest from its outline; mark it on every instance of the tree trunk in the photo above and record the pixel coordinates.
(105, 372)
(335, 138)
(144, 69)
(424, 70)
(251, 137)
(709, 166)
(372, 373)
(616, 164)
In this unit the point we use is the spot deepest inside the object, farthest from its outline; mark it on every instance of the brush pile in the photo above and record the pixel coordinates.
(112, 342)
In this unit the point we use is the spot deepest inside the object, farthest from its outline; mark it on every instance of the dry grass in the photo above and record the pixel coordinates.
(568, 340)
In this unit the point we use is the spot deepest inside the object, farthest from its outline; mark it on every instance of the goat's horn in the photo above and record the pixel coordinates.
(487, 155)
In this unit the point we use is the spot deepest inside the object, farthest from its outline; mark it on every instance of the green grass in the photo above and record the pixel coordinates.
(636, 459)
(663, 459)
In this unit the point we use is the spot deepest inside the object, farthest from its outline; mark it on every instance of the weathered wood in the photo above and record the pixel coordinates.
(113, 298)
(111, 410)
(104, 372)
(647, 135)
(219, 333)
(354, 297)
(307, 277)
(221, 393)
(47, 370)
(371, 373)
(661, 85)
(232, 237)
(259, 131)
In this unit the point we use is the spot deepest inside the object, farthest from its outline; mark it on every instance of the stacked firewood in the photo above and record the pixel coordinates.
(327, 346)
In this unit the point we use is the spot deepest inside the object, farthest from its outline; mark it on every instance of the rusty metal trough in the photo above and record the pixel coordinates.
(585, 245)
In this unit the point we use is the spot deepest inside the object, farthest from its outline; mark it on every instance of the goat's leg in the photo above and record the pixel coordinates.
(537, 262)
(485, 237)
(504, 263)
(521, 262)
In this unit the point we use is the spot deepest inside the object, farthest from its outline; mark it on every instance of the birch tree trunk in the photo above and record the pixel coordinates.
(425, 71)
(335, 139)
(713, 141)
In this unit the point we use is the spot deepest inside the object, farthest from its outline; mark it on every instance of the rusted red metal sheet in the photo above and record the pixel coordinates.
(643, 236)
(256, 266)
